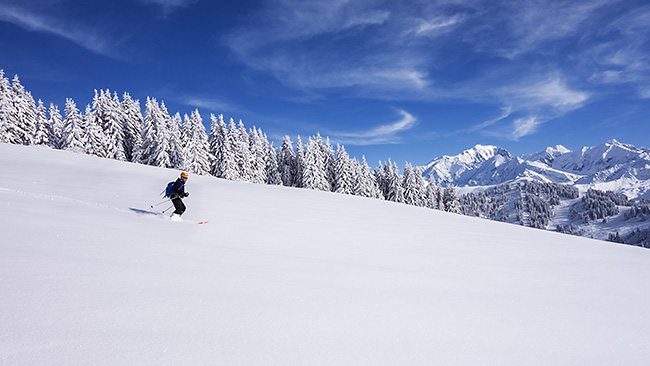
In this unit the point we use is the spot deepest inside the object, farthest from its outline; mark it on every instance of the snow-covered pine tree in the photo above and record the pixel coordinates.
(286, 162)
(20, 125)
(382, 179)
(243, 153)
(41, 137)
(215, 140)
(273, 176)
(432, 196)
(412, 187)
(5, 100)
(114, 128)
(174, 144)
(229, 166)
(72, 135)
(258, 152)
(314, 175)
(95, 142)
(184, 138)
(394, 183)
(223, 163)
(155, 138)
(366, 185)
(133, 123)
(344, 175)
(107, 115)
(299, 167)
(450, 200)
(197, 149)
(329, 160)
(55, 123)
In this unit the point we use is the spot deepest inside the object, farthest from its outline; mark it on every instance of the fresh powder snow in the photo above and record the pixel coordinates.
(90, 274)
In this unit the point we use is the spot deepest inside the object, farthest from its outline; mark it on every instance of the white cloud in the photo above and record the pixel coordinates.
(84, 37)
(524, 127)
(506, 111)
(644, 93)
(385, 134)
(438, 24)
(551, 94)
(211, 104)
(168, 6)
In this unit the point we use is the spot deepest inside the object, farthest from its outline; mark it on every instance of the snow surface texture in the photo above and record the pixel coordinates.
(282, 276)
(614, 166)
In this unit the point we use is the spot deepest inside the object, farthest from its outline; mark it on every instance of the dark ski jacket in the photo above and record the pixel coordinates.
(178, 190)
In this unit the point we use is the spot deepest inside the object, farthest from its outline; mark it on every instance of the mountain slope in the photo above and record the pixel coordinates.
(284, 276)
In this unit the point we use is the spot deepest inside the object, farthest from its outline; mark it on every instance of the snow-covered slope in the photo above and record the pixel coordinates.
(281, 276)
(615, 166)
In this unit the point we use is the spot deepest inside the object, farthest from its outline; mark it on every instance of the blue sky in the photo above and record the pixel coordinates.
(406, 80)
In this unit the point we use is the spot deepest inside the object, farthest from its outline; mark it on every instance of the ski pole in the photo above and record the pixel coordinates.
(167, 209)
(160, 203)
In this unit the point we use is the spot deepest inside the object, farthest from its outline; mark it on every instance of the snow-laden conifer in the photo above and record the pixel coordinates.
(243, 152)
(432, 196)
(450, 200)
(258, 152)
(344, 175)
(273, 176)
(20, 124)
(174, 145)
(395, 190)
(133, 124)
(5, 100)
(72, 135)
(107, 115)
(229, 166)
(286, 162)
(155, 139)
(314, 175)
(95, 142)
(197, 154)
(300, 163)
(221, 149)
(185, 127)
(42, 136)
(412, 187)
(55, 123)
(381, 179)
(329, 160)
(366, 184)
(215, 139)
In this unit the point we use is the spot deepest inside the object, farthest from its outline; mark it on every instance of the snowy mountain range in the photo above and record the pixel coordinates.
(621, 168)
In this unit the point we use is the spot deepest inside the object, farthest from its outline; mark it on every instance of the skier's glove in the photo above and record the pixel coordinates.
(186, 194)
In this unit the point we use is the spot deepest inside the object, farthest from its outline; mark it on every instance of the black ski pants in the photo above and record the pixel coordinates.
(179, 205)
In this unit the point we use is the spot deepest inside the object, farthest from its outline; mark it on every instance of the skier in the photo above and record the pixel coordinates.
(178, 192)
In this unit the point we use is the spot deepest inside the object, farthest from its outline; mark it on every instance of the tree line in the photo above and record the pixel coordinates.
(114, 128)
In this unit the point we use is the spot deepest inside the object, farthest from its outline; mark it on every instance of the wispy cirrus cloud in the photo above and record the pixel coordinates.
(212, 104)
(384, 134)
(524, 126)
(82, 36)
(528, 104)
(506, 111)
(168, 6)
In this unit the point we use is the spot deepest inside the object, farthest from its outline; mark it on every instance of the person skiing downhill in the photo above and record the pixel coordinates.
(178, 192)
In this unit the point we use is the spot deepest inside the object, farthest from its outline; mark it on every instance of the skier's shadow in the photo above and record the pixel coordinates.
(144, 212)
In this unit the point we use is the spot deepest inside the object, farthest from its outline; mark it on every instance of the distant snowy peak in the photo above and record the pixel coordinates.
(611, 155)
(615, 166)
(548, 155)
(451, 168)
